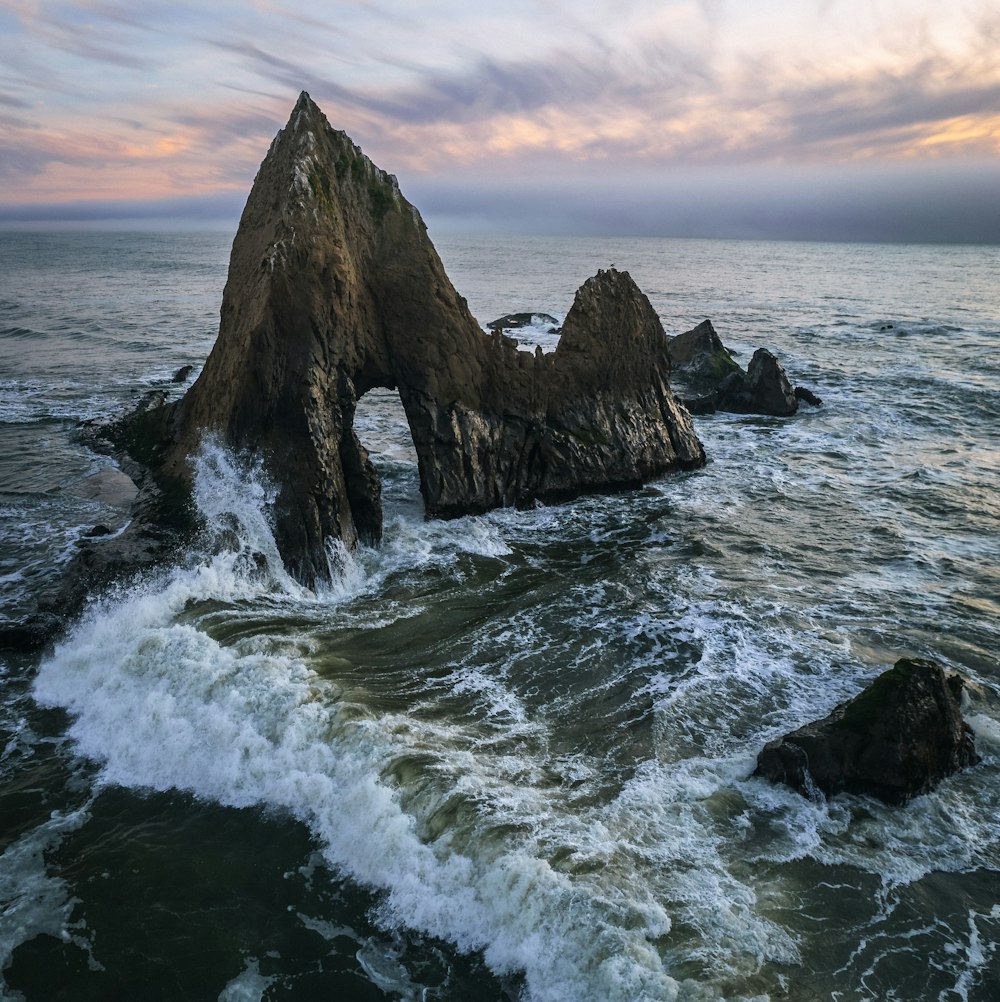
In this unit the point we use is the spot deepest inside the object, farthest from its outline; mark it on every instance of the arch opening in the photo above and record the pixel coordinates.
(382, 431)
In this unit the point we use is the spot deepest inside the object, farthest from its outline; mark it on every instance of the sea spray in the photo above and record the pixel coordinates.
(32, 901)
(468, 842)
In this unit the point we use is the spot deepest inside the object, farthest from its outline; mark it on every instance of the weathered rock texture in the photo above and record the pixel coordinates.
(334, 288)
(700, 360)
(896, 740)
(707, 378)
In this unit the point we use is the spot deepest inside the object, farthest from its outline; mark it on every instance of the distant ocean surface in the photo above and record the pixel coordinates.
(508, 757)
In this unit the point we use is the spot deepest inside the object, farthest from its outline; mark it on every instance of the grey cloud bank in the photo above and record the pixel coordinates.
(922, 205)
(214, 212)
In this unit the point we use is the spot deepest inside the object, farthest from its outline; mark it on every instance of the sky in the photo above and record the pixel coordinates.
(814, 119)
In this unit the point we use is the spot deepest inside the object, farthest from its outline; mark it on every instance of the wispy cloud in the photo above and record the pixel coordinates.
(102, 96)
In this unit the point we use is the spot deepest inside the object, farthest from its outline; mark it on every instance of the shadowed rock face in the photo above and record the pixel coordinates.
(897, 739)
(335, 288)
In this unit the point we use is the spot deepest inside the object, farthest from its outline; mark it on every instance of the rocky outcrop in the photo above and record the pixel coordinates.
(28, 633)
(896, 740)
(805, 395)
(707, 378)
(770, 390)
(334, 288)
(701, 362)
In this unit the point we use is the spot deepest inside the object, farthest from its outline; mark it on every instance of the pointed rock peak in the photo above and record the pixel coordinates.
(305, 114)
(610, 277)
(701, 343)
(611, 318)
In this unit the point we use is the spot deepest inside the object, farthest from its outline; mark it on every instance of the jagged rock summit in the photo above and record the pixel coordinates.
(335, 288)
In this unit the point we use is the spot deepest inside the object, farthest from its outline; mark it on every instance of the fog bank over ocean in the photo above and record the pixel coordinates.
(937, 203)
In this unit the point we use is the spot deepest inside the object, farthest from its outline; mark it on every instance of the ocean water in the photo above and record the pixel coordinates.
(509, 757)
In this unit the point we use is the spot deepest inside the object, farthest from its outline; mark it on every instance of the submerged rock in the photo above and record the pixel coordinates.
(515, 321)
(806, 395)
(335, 288)
(897, 739)
(111, 487)
(29, 633)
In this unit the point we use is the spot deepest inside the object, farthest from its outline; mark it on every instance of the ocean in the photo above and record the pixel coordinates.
(509, 757)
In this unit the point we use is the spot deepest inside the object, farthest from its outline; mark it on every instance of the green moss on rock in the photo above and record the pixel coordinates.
(864, 711)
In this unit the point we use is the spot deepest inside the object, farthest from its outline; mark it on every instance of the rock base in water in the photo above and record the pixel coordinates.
(896, 740)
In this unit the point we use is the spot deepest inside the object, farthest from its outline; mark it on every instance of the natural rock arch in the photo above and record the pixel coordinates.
(334, 288)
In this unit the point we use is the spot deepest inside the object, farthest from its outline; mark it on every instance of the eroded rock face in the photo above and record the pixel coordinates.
(897, 739)
(700, 360)
(334, 288)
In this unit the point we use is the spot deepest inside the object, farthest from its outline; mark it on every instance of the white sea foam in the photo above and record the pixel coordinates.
(261, 730)
(32, 901)
(248, 986)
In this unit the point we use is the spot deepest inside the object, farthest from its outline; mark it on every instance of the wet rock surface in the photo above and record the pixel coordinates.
(896, 740)
(110, 487)
(770, 390)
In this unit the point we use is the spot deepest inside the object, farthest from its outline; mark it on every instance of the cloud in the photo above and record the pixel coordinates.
(101, 97)
(82, 34)
(17, 160)
(11, 101)
(857, 203)
(663, 99)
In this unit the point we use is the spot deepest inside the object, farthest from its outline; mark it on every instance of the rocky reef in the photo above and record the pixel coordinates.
(897, 739)
(335, 288)
(707, 378)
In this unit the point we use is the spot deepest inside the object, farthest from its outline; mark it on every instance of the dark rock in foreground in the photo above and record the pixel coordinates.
(707, 378)
(334, 288)
(897, 739)
(30, 633)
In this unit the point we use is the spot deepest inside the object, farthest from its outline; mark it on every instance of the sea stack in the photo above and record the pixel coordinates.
(335, 288)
